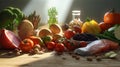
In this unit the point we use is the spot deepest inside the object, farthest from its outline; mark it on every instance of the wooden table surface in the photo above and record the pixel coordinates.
(52, 60)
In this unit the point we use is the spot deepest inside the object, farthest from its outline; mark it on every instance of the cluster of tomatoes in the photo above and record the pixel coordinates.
(110, 18)
(64, 43)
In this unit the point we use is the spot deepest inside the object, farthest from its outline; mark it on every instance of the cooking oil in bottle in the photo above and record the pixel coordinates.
(76, 21)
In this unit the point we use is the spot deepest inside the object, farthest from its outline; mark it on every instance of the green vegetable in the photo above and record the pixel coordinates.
(102, 36)
(112, 29)
(52, 13)
(111, 34)
(117, 32)
(10, 17)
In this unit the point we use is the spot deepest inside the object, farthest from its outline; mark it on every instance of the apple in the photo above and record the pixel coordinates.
(8, 39)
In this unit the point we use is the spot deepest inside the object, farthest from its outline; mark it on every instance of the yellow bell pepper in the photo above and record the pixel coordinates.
(91, 26)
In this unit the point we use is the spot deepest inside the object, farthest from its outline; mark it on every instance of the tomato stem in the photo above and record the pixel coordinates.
(112, 10)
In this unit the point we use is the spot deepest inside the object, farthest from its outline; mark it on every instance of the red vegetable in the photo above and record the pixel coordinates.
(104, 26)
(112, 17)
(26, 45)
(59, 47)
(8, 39)
(50, 45)
(69, 46)
(69, 33)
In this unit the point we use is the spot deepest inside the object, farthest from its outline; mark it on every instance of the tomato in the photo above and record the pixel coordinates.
(70, 46)
(83, 44)
(112, 17)
(77, 29)
(59, 47)
(69, 33)
(50, 45)
(104, 26)
(26, 45)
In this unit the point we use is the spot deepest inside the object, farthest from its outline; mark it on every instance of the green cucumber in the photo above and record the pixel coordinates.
(117, 32)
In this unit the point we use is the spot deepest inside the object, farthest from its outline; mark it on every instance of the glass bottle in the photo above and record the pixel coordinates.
(76, 21)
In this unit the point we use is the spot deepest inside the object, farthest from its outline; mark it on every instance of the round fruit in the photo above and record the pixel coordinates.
(69, 46)
(59, 47)
(104, 26)
(8, 39)
(77, 29)
(50, 45)
(112, 17)
(69, 34)
(26, 45)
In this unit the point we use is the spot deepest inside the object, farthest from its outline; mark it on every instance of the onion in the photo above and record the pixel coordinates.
(9, 40)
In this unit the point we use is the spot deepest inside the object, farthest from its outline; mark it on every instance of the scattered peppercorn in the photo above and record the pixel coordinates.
(89, 59)
(98, 58)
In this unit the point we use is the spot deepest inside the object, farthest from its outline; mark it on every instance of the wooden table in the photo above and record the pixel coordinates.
(50, 59)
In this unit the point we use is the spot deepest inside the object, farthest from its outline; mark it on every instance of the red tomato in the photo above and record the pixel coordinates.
(50, 45)
(77, 29)
(112, 17)
(70, 46)
(59, 47)
(26, 45)
(69, 33)
(83, 44)
(104, 26)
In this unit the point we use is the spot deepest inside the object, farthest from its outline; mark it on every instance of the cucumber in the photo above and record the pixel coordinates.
(117, 32)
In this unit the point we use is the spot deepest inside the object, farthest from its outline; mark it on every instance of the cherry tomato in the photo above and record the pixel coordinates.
(26, 45)
(70, 46)
(50, 45)
(104, 26)
(59, 47)
(69, 33)
(77, 29)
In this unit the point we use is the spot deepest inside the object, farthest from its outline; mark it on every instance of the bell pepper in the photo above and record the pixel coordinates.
(91, 26)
